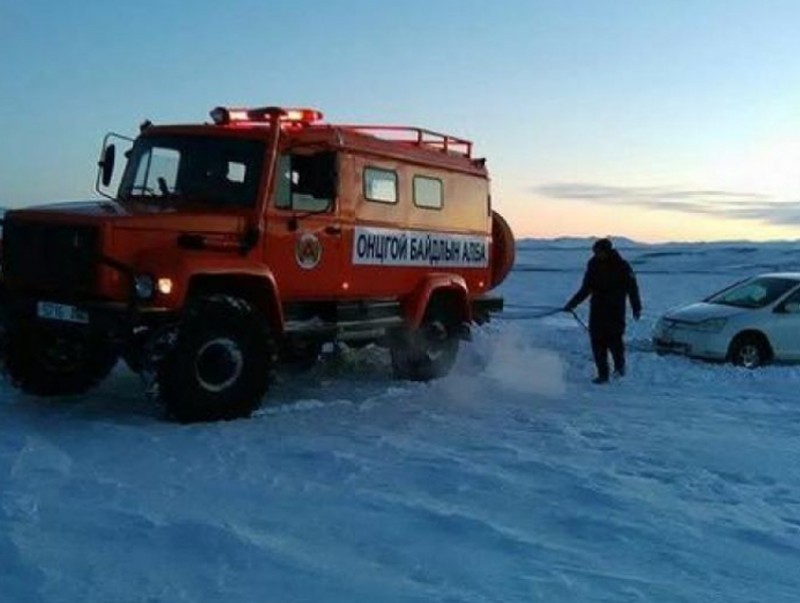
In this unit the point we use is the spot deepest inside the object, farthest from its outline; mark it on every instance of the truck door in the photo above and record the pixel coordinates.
(304, 233)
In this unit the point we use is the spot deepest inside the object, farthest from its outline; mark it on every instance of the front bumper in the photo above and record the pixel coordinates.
(692, 343)
(117, 319)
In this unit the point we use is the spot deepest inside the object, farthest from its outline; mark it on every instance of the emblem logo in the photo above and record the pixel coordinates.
(308, 251)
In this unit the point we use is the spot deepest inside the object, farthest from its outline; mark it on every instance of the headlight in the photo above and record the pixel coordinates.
(711, 325)
(145, 286)
(165, 286)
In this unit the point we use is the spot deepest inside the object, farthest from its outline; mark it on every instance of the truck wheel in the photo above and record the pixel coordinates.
(749, 351)
(52, 362)
(219, 367)
(425, 353)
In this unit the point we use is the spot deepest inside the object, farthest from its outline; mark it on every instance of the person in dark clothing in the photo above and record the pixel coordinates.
(609, 280)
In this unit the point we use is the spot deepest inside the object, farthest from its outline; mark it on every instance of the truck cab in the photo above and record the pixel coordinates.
(231, 247)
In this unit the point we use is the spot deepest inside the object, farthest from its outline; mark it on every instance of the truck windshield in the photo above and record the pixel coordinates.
(196, 169)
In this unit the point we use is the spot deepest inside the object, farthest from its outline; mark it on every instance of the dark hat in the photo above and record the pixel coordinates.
(602, 245)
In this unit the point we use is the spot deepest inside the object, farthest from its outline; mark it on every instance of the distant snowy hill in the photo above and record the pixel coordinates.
(574, 242)
(703, 258)
(626, 243)
(514, 479)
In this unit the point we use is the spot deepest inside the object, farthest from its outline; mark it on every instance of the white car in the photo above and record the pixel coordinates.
(750, 323)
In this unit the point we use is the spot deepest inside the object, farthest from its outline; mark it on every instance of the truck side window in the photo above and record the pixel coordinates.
(380, 185)
(428, 192)
(306, 182)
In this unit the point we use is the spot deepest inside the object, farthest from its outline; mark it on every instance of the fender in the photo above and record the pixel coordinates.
(414, 305)
(191, 271)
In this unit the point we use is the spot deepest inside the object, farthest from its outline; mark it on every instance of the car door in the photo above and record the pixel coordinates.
(784, 328)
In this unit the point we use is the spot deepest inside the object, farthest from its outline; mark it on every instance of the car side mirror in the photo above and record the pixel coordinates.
(106, 164)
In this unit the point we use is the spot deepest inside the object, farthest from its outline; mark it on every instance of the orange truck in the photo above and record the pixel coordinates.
(229, 248)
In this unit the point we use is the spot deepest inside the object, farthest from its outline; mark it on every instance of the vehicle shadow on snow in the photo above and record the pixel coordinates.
(348, 375)
(356, 377)
(344, 375)
(119, 399)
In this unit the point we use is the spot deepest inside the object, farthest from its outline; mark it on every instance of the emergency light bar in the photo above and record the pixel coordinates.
(223, 116)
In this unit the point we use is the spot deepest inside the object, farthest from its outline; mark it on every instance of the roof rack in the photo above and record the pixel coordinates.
(417, 137)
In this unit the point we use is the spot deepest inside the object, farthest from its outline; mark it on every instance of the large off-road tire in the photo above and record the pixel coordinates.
(44, 360)
(430, 351)
(425, 353)
(750, 351)
(220, 365)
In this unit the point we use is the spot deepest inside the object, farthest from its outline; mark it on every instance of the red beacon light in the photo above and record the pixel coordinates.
(303, 116)
(223, 116)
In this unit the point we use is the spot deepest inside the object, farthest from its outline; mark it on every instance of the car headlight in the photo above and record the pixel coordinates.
(144, 285)
(710, 325)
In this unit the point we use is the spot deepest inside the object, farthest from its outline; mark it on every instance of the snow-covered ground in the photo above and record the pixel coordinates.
(514, 479)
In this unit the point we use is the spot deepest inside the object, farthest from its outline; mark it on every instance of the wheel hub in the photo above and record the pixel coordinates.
(219, 364)
(63, 355)
(750, 356)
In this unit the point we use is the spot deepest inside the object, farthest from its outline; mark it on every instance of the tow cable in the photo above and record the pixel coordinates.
(546, 311)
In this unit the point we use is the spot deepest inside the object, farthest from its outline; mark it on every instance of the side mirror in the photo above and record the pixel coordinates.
(106, 164)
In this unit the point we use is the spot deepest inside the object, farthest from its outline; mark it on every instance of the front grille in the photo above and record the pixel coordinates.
(44, 256)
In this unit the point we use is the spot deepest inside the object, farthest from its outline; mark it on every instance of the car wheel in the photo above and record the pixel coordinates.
(749, 351)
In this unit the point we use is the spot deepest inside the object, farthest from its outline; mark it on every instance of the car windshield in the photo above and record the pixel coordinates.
(756, 293)
(210, 170)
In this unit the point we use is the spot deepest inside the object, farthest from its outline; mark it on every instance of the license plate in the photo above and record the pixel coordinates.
(63, 312)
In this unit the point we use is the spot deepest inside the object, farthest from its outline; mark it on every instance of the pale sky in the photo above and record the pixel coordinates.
(654, 120)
